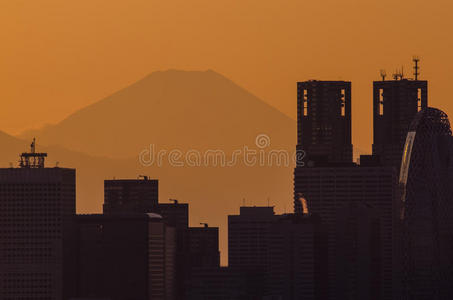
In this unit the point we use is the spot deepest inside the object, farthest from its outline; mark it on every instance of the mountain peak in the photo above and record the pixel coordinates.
(171, 108)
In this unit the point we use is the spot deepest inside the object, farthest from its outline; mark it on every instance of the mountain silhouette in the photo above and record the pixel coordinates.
(171, 110)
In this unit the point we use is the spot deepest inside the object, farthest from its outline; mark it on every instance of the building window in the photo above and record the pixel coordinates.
(381, 102)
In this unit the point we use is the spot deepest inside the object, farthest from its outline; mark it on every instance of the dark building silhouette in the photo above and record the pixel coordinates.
(327, 179)
(125, 256)
(202, 265)
(37, 207)
(247, 237)
(327, 189)
(426, 208)
(324, 121)
(130, 195)
(289, 250)
(202, 247)
(224, 283)
(358, 249)
(395, 103)
(297, 258)
(141, 196)
(175, 214)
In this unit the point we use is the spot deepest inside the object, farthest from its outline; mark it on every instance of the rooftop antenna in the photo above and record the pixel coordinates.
(416, 60)
(383, 74)
(32, 159)
(402, 73)
(33, 146)
(395, 75)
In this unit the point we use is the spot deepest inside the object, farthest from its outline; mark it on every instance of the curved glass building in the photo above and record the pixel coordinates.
(426, 181)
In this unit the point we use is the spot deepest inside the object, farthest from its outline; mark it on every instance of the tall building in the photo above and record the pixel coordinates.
(202, 247)
(324, 121)
(328, 188)
(130, 195)
(141, 196)
(125, 256)
(297, 259)
(202, 263)
(175, 214)
(327, 179)
(427, 207)
(37, 207)
(395, 103)
(288, 250)
(358, 247)
(247, 237)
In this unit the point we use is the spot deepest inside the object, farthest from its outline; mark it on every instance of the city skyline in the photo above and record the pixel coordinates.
(349, 234)
(226, 150)
(276, 196)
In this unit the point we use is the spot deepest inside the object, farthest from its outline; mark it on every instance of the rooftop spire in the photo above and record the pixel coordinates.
(32, 159)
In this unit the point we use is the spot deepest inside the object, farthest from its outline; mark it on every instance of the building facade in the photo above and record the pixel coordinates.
(297, 258)
(125, 256)
(395, 104)
(324, 121)
(37, 207)
(130, 195)
(358, 247)
(247, 237)
(327, 189)
(426, 208)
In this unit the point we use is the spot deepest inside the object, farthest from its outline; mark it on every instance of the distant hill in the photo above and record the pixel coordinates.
(171, 109)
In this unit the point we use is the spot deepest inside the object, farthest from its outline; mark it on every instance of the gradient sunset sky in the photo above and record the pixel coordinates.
(58, 56)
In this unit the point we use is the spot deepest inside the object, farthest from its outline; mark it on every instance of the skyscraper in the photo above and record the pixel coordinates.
(37, 207)
(125, 256)
(297, 258)
(130, 195)
(427, 207)
(395, 103)
(248, 237)
(202, 247)
(358, 251)
(328, 179)
(326, 189)
(324, 121)
(141, 196)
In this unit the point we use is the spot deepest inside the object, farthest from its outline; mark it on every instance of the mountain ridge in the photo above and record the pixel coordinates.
(205, 104)
(182, 110)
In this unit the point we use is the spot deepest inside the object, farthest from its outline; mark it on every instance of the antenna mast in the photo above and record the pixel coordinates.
(416, 60)
(32, 159)
(395, 75)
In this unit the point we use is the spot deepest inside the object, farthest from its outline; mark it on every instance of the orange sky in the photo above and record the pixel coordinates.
(57, 56)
